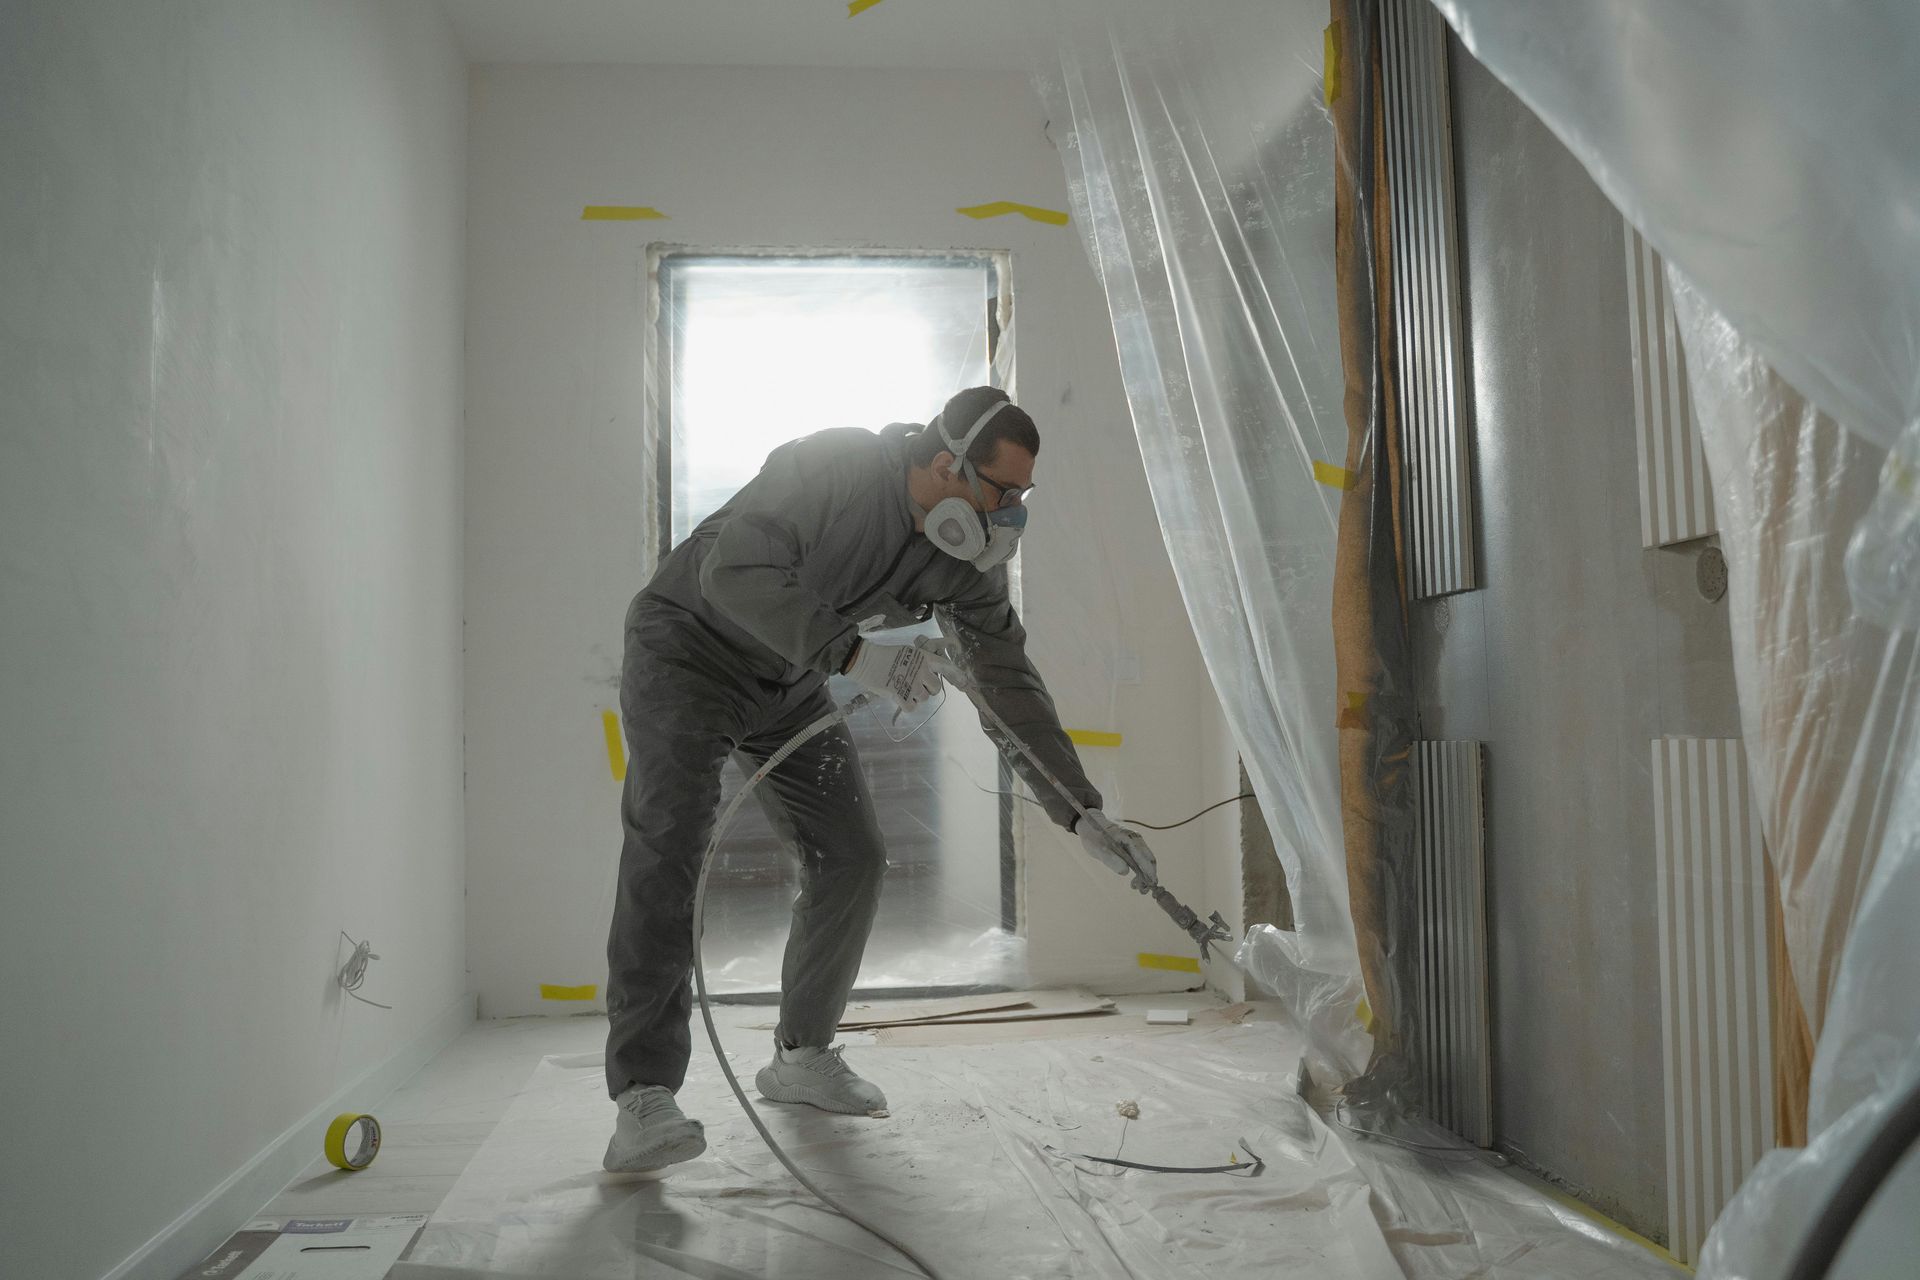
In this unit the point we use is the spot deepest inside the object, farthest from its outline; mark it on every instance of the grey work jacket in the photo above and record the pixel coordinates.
(820, 544)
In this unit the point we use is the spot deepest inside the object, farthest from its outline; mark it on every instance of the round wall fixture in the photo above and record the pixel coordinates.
(1710, 573)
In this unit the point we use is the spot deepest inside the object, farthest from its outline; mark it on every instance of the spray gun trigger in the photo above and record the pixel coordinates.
(1213, 929)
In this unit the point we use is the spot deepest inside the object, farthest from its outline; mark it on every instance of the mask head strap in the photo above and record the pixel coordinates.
(959, 447)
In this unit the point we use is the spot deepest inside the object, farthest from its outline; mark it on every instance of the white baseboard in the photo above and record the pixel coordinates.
(223, 1210)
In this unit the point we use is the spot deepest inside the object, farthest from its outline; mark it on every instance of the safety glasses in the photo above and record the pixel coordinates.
(1004, 496)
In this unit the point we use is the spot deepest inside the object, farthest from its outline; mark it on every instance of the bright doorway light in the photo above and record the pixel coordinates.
(769, 349)
(759, 350)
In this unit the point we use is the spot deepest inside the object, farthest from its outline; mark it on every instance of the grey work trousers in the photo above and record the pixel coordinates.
(688, 705)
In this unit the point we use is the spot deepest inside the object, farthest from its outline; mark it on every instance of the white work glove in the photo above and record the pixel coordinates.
(906, 673)
(1121, 850)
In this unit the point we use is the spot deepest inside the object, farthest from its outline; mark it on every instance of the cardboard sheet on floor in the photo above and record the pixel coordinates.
(355, 1248)
(1038, 1005)
(958, 1031)
(1013, 1006)
(1068, 1008)
(896, 1011)
(983, 1136)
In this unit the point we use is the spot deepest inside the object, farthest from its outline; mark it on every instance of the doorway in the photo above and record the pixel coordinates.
(754, 349)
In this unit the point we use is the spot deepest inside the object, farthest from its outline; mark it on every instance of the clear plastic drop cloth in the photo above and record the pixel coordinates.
(1200, 161)
(1830, 703)
(1767, 149)
(981, 1167)
(1320, 1003)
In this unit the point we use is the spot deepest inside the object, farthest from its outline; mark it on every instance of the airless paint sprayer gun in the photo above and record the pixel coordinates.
(1205, 933)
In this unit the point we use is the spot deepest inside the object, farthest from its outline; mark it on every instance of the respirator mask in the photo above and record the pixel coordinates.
(982, 538)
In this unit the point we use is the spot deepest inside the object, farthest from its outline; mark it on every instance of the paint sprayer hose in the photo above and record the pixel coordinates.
(793, 744)
(1202, 931)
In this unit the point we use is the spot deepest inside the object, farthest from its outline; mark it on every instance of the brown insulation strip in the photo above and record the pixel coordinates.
(1373, 705)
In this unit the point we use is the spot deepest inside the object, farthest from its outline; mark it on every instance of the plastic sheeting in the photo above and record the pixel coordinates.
(1830, 701)
(1767, 150)
(1201, 166)
(977, 1170)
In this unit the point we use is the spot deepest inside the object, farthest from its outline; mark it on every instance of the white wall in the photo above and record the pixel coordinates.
(1219, 837)
(230, 491)
(556, 465)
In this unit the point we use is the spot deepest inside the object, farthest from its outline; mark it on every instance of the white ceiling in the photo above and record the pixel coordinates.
(953, 34)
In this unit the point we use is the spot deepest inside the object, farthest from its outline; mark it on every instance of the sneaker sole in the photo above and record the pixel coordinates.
(671, 1153)
(771, 1089)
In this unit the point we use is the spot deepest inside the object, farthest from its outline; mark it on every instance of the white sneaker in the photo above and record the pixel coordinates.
(650, 1133)
(820, 1078)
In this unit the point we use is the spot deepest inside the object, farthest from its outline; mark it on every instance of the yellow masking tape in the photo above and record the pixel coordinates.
(550, 992)
(1594, 1215)
(1330, 62)
(1903, 478)
(619, 213)
(365, 1147)
(1356, 702)
(1093, 738)
(1334, 477)
(1000, 207)
(616, 749)
(857, 7)
(1179, 964)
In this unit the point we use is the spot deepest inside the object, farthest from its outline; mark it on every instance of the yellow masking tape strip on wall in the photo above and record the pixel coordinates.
(1179, 964)
(999, 208)
(616, 749)
(550, 992)
(1330, 62)
(1093, 738)
(857, 7)
(619, 213)
(1335, 477)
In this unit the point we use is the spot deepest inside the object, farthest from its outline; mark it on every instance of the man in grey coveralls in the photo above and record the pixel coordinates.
(728, 649)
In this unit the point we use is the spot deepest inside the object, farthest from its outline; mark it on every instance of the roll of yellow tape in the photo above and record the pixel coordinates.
(365, 1147)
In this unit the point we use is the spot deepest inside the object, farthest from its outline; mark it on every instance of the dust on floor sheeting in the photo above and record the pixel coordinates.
(976, 1169)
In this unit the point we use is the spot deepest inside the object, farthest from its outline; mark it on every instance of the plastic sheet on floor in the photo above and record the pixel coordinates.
(977, 1169)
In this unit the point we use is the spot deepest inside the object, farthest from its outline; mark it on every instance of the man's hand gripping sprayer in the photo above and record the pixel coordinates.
(1205, 933)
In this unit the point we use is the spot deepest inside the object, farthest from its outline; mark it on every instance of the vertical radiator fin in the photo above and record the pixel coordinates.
(1454, 1046)
(1714, 979)
(1426, 299)
(1676, 501)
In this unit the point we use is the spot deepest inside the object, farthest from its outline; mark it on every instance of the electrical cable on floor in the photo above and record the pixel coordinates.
(1497, 1159)
(1243, 1170)
(354, 971)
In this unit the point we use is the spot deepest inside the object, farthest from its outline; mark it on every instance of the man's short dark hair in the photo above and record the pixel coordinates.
(1011, 424)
